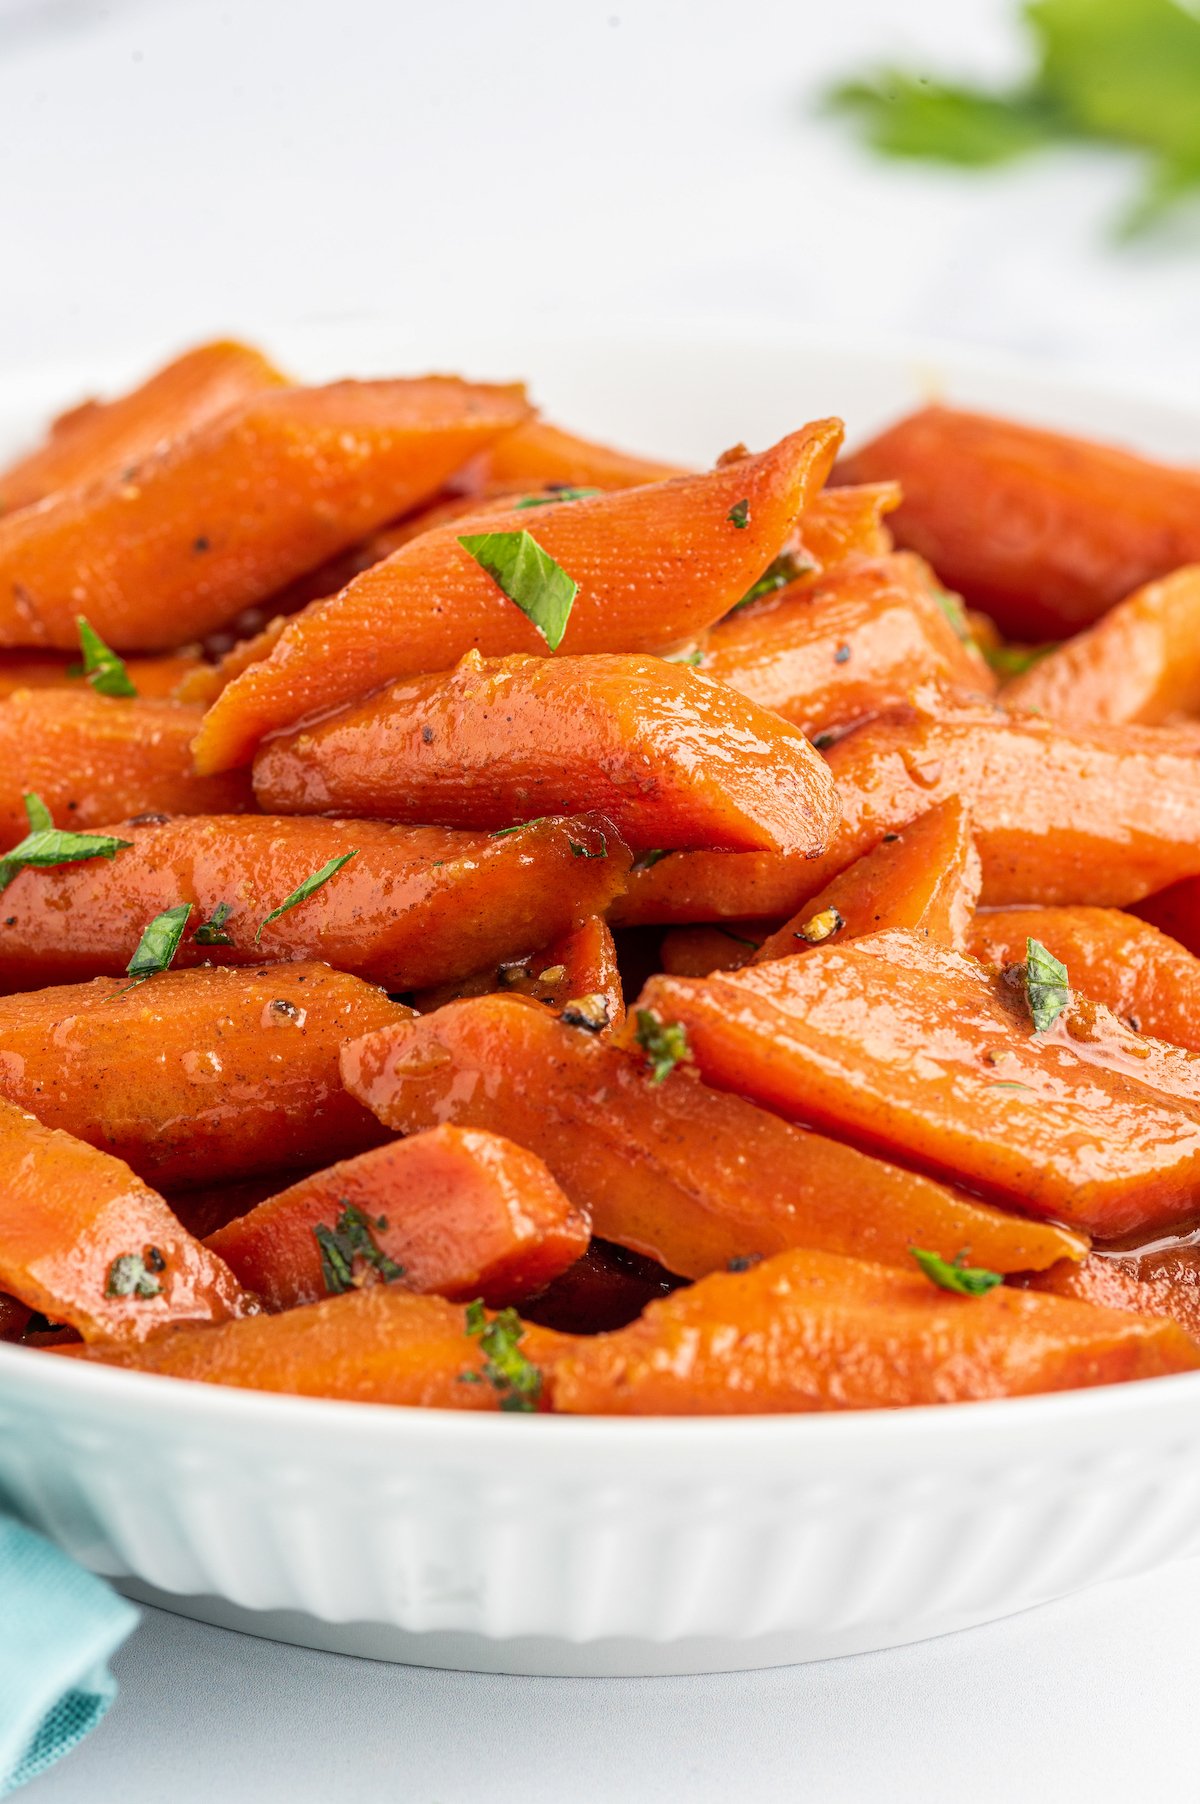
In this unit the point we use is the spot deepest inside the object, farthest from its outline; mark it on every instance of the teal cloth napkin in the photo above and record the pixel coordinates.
(58, 1627)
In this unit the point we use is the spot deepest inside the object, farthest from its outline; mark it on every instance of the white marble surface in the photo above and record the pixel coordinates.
(171, 167)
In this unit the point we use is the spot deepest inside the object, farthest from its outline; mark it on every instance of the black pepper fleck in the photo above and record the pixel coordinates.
(842, 655)
(427, 735)
(200, 544)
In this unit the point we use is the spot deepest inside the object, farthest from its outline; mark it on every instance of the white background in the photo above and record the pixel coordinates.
(172, 169)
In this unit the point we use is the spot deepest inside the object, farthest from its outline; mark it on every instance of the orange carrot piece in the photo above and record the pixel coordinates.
(577, 972)
(653, 565)
(100, 437)
(414, 905)
(698, 951)
(924, 1055)
(216, 521)
(537, 453)
(95, 758)
(196, 1077)
(155, 679)
(811, 1331)
(847, 523)
(1162, 1283)
(453, 1211)
(86, 1242)
(642, 741)
(675, 1171)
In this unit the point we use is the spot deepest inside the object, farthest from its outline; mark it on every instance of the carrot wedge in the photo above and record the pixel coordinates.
(673, 1170)
(86, 1242)
(94, 758)
(411, 906)
(1040, 530)
(537, 452)
(100, 437)
(811, 1331)
(1164, 1283)
(654, 566)
(155, 679)
(217, 520)
(453, 1211)
(922, 1054)
(639, 740)
(577, 973)
(196, 1077)
(379, 1345)
(846, 524)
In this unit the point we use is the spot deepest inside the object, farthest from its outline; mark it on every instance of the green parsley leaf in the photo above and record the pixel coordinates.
(132, 1275)
(967, 1280)
(529, 577)
(665, 1043)
(777, 575)
(646, 861)
(1047, 985)
(212, 932)
(104, 670)
(158, 945)
(580, 851)
(952, 608)
(506, 1368)
(503, 832)
(308, 888)
(550, 500)
(1015, 660)
(739, 515)
(349, 1239)
(44, 846)
(37, 814)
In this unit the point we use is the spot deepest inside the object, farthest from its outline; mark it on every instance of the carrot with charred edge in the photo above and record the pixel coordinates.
(537, 453)
(653, 565)
(197, 1077)
(926, 877)
(379, 1345)
(638, 740)
(924, 1055)
(461, 1213)
(1042, 531)
(411, 906)
(155, 679)
(816, 1332)
(836, 650)
(101, 437)
(672, 1170)
(218, 520)
(93, 758)
(86, 1242)
(577, 973)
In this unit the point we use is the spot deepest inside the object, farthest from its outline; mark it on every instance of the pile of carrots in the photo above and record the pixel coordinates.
(490, 922)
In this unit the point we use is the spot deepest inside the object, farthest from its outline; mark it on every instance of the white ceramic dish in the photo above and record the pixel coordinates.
(518, 1544)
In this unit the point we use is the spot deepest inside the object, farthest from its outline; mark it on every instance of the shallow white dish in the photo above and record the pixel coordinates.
(517, 1544)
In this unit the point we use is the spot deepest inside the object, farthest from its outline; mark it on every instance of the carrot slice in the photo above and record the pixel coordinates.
(100, 437)
(847, 523)
(453, 1211)
(155, 679)
(379, 1345)
(412, 906)
(538, 453)
(1040, 530)
(94, 758)
(196, 1077)
(577, 973)
(653, 565)
(697, 951)
(639, 740)
(924, 1055)
(86, 1242)
(673, 1170)
(811, 1331)
(1163, 1283)
(218, 520)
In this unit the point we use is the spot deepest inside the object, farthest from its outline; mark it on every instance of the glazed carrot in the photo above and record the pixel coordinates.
(640, 740)
(672, 1170)
(413, 905)
(1040, 530)
(1114, 958)
(697, 951)
(86, 1242)
(205, 683)
(379, 1345)
(94, 758)
(924, 1055)
(218, 520)
(844, 523)
(99, 437)
(196, 1077)
(1140, 663)
(577, 972)
(653, 565)
(607, 1288)
(837, 650)
(1175, 911)
(814, 1332)
(1162, 1283)
(537, 453)
(155, 679)
(926, 877)
(453, 1211)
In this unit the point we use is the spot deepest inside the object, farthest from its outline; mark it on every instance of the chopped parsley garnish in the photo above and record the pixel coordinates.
(308, 888)
(503, 832)
(549, 500)
(952, 608)
(1015, 660)
(665, 1043)
(645, 861)
(956, 1275)
(739, 939)
(104, 670)
(739, 514)
(157, 947)
(351, 1238)
(581, 851)
(529, 577)
(44, 845)
(1047, 986)
(517, 1380)
(212, 932)
(777, 575)
(133, 1275)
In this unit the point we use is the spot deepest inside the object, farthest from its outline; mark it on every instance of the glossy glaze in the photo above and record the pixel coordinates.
(577, 966)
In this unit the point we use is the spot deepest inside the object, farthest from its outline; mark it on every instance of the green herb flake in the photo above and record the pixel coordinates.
(784, 570)
(44, 845)
(581, 851)
(1047, 985)
(514, 1377)
(956, 1275)
(1014, 660)
(503, 832)
(212, 932)
(104, 670)
(665, 1044)
(529, 577)
(645, 861)
(353, 1237)
(308, 888)
(739, 515)
(157, 947)
(132, 1275)
(952, 608)
(550, 500)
